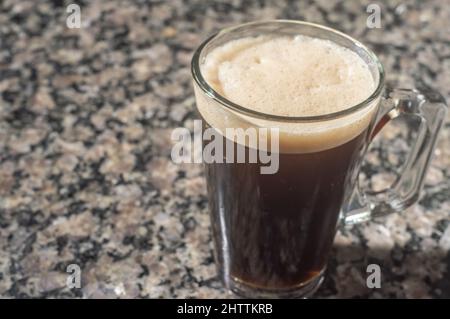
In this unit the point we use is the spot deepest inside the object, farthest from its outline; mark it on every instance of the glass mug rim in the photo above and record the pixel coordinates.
(213, 94)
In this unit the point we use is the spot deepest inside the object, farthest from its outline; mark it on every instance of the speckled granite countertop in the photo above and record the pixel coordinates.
(85, 172)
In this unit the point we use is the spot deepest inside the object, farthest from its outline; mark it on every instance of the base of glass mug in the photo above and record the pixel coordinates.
(304, 290)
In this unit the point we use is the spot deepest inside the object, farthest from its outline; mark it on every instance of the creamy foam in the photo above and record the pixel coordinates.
(289, 76)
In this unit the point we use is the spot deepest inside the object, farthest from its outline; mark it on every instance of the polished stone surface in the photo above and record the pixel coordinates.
(85, 171)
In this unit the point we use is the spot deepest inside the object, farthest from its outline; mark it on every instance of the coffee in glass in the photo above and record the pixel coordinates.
(321, 91)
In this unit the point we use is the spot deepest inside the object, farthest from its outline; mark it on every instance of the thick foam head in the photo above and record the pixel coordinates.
(290, 76)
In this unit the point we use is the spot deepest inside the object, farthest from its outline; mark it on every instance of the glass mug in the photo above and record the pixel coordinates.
(273, 232)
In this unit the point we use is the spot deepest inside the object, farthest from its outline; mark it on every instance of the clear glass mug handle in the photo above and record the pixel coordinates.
(431, 109)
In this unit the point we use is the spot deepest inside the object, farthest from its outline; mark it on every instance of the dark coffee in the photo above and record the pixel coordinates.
(276, 231)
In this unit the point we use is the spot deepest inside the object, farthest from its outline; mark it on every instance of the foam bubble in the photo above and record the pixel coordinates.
(290, 76)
